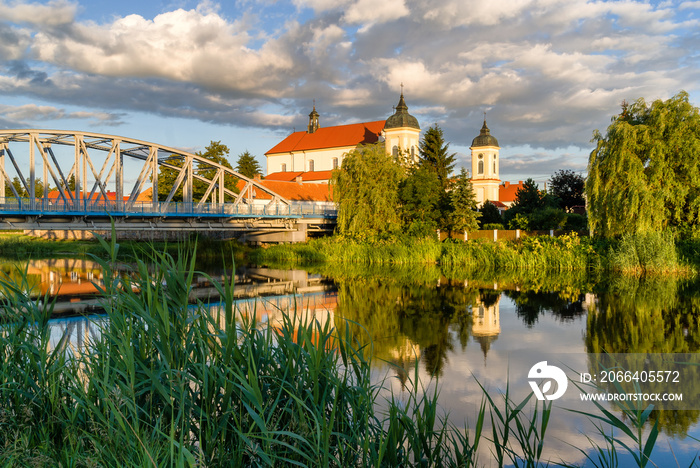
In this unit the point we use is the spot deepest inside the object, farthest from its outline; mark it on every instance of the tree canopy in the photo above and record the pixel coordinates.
(248, 165)
(365, 191)
(644, 174)
(567, 186)
(434, 154)
(215, 152)
(463, 215)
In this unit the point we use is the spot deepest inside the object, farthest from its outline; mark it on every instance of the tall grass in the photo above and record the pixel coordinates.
(653, 252)
(167, 383)
(172, 384)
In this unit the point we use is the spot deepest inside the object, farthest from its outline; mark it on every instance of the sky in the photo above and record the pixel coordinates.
(545, 73)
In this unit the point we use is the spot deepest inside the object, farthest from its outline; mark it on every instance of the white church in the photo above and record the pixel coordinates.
(311, 155)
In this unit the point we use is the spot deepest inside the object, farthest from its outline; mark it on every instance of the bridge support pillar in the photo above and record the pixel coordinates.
(280, 237)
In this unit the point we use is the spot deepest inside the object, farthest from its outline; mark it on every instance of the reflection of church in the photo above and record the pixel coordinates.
(486, 321)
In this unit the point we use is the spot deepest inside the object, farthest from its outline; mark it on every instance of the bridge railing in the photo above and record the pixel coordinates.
(41, 206)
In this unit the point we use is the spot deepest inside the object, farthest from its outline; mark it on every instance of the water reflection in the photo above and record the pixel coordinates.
(463, 329)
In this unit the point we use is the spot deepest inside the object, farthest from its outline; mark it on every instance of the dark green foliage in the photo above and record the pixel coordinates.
(366, 193)
(22, 192)
(18, 186)
(528, 198)
(547, 218)
(567, 186)
(420, 195)
(490, 214)
(463, 215)
(248, 165)
(534, 209)
(167, 178)
(434, 154)
(644, 174)
(576, 222)
(216, 153)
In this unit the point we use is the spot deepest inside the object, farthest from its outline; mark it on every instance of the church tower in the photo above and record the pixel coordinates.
(485, 166)
(401, 131)
(313, 121)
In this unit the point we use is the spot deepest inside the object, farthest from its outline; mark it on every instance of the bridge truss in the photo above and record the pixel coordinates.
(92, 181)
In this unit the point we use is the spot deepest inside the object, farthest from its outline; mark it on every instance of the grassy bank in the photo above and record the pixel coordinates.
(641, 254)
(16, 245)
(167, 384)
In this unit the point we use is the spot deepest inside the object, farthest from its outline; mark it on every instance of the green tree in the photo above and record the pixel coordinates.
(420, 196)
(568, 187)
(534, 209)
(434, 154)
(644, 173)
(19, 187)
(490, 214)
(248, 165)
(167, 178)
(463, 216)
(217, 153)
(366, 192)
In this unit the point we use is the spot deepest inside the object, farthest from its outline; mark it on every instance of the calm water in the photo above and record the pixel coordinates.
(460, 332)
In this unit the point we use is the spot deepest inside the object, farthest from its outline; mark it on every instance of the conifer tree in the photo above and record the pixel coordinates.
(434, 154)
(247, 165)
(463, 216)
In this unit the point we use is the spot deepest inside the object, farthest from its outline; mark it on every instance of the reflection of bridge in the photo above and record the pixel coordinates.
(89, 170)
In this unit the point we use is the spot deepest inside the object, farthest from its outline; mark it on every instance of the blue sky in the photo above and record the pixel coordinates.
(183, 73)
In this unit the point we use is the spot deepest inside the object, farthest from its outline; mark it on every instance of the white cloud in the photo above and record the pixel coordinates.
(550, 70)
(371, 12)
(187, 46)
(53, 13)
(32, 113)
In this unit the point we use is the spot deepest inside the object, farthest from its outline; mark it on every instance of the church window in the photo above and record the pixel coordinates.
(413, 152)
(335, 163)
(480, 165)
(395, 151)
(495, 167)
(284, 168)
(311, 165)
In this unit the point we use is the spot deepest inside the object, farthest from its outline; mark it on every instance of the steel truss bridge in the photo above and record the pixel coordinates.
(88, 170)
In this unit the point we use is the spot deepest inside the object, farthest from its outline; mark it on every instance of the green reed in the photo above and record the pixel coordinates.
(168, 383)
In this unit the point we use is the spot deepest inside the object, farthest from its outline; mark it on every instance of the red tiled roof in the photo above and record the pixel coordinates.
(331, 137)
(293, 191)
(507, 191)
(305, 176)
(283, 176)
(111, 196)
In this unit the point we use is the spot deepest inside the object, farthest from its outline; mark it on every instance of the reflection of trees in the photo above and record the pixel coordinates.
(529, 305)
(659, 315)
(434, 319)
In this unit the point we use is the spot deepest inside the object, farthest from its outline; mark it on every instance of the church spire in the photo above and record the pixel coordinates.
(313, 120)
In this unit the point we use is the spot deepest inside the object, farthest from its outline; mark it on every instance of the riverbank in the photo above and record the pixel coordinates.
(167, 384)
(655, 253)
(18, 246)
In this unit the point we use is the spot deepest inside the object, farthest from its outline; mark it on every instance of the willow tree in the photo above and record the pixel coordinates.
(365, 191)
(644, 174)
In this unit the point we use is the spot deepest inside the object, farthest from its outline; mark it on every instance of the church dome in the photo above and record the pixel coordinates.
(401, 117)
(485, 138)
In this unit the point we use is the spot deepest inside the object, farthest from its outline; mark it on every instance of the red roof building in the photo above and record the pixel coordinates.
(320, 149)
(507, 191)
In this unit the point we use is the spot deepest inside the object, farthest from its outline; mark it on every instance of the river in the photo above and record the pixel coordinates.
(458, 331)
